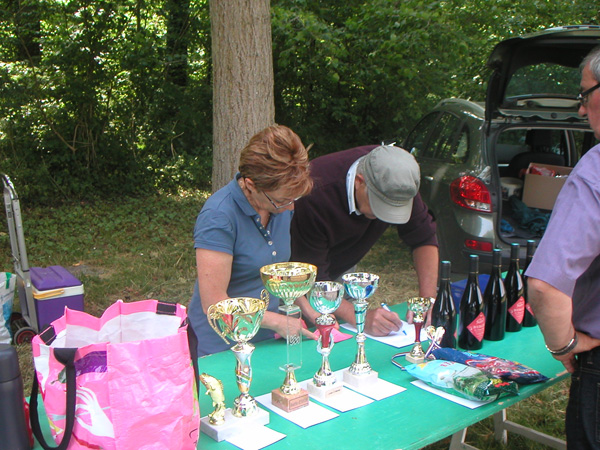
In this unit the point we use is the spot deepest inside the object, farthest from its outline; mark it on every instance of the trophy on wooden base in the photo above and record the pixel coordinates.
(419, 306)
(360, 286)
(325, 297)
(288, 281)
(238, 319)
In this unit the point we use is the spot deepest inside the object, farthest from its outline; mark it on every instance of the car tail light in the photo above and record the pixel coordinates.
(470, 192)
(482, 246)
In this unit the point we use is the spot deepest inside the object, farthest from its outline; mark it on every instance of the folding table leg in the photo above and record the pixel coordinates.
(458, 441)
(501, 426)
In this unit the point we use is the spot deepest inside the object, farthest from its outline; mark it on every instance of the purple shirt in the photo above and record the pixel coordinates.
(568, 256)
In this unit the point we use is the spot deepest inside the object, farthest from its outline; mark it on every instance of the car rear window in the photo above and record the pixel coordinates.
(544, 79)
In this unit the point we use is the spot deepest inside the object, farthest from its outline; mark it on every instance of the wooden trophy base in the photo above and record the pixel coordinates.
(233, 424)
(359, 381)
(324, 392)
(289, 402)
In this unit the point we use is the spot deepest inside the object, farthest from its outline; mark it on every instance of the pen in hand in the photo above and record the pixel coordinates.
(387, 308)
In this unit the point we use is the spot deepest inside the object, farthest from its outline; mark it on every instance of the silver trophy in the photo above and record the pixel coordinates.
(360, 286)
(325, 297)
(288, 281)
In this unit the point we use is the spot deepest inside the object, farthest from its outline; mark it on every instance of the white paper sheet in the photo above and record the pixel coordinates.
(346, 400)
(377, 391)
(472, 404)
(303, 417)
(254, 438)
(402, 338)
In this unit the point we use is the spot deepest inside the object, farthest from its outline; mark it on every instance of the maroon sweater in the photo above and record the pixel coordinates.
(325, 234)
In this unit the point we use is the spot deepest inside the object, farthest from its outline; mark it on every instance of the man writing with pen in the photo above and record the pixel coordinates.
(358, 193)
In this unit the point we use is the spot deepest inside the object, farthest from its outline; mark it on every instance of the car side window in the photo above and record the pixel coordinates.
(452, 144)
(418, 140)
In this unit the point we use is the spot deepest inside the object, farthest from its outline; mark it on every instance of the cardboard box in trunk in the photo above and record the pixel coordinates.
(540, 191)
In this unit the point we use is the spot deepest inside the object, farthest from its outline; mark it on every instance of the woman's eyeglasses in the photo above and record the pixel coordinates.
(582, 98)
(284, 205)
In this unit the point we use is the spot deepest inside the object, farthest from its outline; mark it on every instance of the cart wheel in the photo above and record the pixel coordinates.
(24, 335)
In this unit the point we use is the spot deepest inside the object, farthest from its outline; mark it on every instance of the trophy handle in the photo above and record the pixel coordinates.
(264, 296)
(212, 321)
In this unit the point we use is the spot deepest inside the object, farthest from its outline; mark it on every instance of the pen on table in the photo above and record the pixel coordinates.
(387, 308)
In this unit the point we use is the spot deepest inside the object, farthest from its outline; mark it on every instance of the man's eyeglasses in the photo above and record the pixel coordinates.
(284, 205)
(582, 98)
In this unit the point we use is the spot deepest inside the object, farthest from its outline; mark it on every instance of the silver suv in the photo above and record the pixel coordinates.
(469, 150)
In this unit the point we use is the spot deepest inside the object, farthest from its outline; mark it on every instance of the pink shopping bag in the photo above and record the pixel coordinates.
(122, 381)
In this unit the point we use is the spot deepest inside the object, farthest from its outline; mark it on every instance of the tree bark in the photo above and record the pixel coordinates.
(243, 97)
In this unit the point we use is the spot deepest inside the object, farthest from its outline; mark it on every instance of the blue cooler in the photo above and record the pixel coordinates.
(54, 288)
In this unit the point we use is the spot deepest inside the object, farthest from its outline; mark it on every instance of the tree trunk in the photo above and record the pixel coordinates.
(243, 98)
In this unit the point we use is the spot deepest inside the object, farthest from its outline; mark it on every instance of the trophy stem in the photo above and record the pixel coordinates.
(293, 350)
(244, 404)
(418, 326)
(324, 376)
(360, 366)
(417, 355)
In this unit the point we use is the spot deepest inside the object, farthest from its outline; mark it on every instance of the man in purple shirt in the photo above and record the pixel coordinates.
(564, 276)
(357, 194)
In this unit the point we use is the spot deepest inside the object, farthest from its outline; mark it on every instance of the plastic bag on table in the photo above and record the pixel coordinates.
(463, 381)
(7, 293)
(498, 367)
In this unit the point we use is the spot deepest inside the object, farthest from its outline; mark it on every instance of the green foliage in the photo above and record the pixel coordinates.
(364, 72)
(105, 98)
(96, 114)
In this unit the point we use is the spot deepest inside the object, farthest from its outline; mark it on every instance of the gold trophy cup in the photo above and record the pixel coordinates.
(239, 319)
(360, 286)
(419, 306)
(325, 297)
(288, 281)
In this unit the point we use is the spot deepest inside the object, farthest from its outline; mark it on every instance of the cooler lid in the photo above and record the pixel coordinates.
(52, 277)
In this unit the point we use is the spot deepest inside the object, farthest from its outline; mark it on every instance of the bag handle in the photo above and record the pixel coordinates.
(66, 356)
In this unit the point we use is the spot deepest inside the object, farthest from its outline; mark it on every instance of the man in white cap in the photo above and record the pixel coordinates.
(358, 193)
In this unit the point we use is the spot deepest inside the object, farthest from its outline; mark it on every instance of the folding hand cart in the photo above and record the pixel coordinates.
(43, 293)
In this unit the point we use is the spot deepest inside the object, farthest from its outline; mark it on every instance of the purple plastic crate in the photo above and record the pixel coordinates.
(50, 305)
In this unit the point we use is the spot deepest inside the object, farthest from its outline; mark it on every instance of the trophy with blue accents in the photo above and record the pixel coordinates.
(360, 286)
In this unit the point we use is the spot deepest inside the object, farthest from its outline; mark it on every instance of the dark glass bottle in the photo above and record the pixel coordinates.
(471, 324)
(494, 299)
(529, 318)
(515, 300)
(443, 313)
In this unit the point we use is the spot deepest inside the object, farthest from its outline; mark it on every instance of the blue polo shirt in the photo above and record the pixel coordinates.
(229, 224)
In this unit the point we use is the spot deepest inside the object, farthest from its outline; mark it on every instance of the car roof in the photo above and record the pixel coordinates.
(562, 46)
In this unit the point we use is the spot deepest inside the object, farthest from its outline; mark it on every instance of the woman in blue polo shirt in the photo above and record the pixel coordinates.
(246, 225)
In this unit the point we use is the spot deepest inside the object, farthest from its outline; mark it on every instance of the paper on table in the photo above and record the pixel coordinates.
(254, 438)
(303, 417)
(377, 391)
(472, 404)
(402, 338)
(346, 400)
(337, 335)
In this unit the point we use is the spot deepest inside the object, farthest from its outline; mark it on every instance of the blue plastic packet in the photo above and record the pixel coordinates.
(463, 381)
(501, 368)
